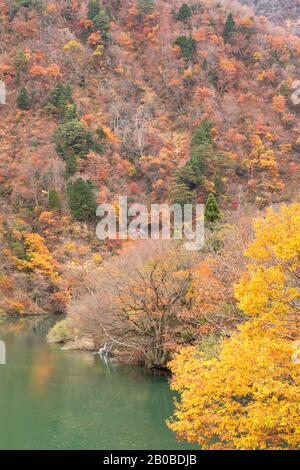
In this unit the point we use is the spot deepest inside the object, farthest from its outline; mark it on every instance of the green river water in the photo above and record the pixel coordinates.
(54, 399)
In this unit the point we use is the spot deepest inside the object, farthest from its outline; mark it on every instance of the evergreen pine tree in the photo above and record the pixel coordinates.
(102, 22)
(212, 212)
(54, 201)
(199, 161)
(191, 175)
(71, 137)
(71, 165)
(60, 100)
(187, 45)
(202, 135)
(184, 13)
(181, 193)
(23, 101)
(93, 9)
(201, 149)
(81, 200)
(229, 28)
(186, 175)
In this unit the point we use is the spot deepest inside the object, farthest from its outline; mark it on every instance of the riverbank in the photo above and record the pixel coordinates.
(62, 335)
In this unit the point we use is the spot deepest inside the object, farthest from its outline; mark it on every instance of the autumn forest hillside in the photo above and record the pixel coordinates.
(162, 101)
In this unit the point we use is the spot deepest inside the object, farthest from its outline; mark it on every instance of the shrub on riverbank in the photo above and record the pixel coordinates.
(60, 333)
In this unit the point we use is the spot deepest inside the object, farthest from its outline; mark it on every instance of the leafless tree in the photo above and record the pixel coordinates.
(135, 299)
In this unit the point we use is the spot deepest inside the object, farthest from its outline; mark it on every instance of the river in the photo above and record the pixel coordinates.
(54, 399)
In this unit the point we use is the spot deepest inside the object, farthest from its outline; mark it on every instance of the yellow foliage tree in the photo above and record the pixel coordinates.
(37, 256)
(263, 166)
(270, 289)
(73, 45)
(249, 397)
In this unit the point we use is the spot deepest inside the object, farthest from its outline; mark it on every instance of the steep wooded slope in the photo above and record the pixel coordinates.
(141, 98)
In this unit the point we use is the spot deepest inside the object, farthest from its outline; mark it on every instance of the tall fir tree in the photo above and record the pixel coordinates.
(60, 100)
(229, 28)
(187, 46)
(54, 201)
(181, 193)
(201, 149)
(102, 22)
(71, 137)
(212, 213)
(184, 13)
(202, 135)
(71, 165)
(23, 101)
(186, 175)
(93, 9)
(81, 200)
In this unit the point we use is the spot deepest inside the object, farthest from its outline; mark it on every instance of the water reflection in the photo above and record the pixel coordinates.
(54, 399)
